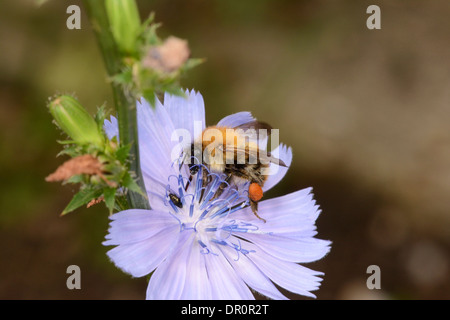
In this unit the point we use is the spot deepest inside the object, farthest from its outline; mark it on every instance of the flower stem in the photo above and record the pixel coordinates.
(124, 101)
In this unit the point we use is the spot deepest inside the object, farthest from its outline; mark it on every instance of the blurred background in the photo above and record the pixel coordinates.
(367, 113)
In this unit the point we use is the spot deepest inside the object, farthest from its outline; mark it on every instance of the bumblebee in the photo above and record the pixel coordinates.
(235, 153)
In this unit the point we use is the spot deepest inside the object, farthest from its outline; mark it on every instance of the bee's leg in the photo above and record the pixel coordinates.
(205, 179)
(222, 186)
(193, 170)
(187, 183)
(254, 206)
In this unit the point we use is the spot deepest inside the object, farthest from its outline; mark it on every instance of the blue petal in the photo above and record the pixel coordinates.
(236, 119)
(288, 275)
(292, 215)
(289, 249)
(155, 128)
(155, 146)
(142, 257)
(252, 276)
(168, 281)
(111, 128)
(276, 172)
(186, 112)
(197, 285)
(290, 227)
(225, 284)
(135, 225)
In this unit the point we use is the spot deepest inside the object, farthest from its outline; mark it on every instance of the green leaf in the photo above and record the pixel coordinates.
(110, 194)
(191, 63)
(130, 184)
(76, 179)
(147, 22)
(71, 151)
(66, 141)
(82, 198)
(121, 203)
(122, 153)
(100, 116)
(149, 95)
(123, 78)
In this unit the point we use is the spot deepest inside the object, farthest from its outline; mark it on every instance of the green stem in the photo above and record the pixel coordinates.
(125, 102)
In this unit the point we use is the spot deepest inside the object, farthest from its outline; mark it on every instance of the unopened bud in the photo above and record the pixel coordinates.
(169, 56)
(125, 22)
(75, 121)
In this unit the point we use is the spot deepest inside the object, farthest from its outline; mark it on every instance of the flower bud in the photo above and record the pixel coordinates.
(169, 56)
(125, 23)
(75, 121)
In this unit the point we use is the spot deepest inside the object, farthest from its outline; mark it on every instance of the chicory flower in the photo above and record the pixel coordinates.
(202, 247)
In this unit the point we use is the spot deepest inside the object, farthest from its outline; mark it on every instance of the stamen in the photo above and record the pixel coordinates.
(238, 207)
(208, 211)
(212, 190)
(191, 209)
(222, 242)
(222, 210)
(230, 200)
(199, 186)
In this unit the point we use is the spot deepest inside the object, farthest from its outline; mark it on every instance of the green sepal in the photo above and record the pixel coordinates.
(109, 194)
(125, 78)
(191, 63)
(121, 203)
(149, 95)
(148, 32)
(122, 153)
(71, 151)
(100, 117)
(79, 178)
(130, 184)
(66, 141)
(81, 198)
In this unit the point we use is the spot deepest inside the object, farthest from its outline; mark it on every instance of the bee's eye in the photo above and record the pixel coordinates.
(193, 169)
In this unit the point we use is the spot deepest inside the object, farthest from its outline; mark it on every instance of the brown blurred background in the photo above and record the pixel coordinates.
(367, 113)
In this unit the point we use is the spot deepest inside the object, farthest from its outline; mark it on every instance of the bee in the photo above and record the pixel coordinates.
(235, 153)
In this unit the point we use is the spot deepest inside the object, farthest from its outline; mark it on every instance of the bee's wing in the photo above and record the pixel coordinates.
(255, 124)
(264, 157)
(256, 131)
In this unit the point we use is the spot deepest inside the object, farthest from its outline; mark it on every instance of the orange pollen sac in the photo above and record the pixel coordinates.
(255, 192)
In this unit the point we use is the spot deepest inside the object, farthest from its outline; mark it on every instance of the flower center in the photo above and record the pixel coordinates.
(204, 203)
